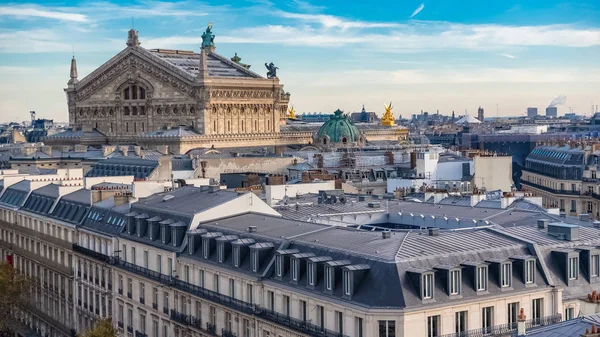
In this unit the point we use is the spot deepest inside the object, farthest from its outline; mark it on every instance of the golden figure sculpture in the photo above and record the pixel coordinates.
(388, 116)
(291, 113)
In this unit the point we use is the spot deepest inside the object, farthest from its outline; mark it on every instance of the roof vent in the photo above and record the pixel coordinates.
(434, 231)
(563, 214)
(252, 229)
(362, 198)
(596, 224)
(374, 205)
(564, 231)
(386, 235)
(584, 217)
(168, 197)
(542, 223)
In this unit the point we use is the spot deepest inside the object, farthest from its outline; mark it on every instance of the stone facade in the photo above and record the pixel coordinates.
(140, 91)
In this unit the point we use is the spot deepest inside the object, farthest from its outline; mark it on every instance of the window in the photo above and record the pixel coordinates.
(133, 255)
(221, 253)
(505, 275)
(573, 268)
(347, 282)
(302, 310)
(206, 248)
(358, 327)
(387, 328)
(249, 293)
(279, 265)
(232, 287)
(427, 286)
(328, 278)
(146, 259)
(460, 323)
(321, 316)
(295, 269)
(433, 326)
(595, 265)
(286, 305)
(487, 319)
(245, 326)
(166, 301)
(481, 280)
(120, 313)
(529, 271)
(155, 297)
(129, 317)
(573, 206)
(159, 263)
(129, 287)
(154, 328)
(254, 258)
(170, 266)
(186, 273)
(339, 322)
(513, 313)
(271, 300)
(310, 269)
(165, 331)
(569, 313)
(213, 315)
(201, 272)
(142, 293)
(537, 310)
(142, 323)
(454, 282)
(216, 282)
(236, 256)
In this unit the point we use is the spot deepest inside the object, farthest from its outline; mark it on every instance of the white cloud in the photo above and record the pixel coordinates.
(31, 11)
(417, 11)
(109, 11)
(305, 6)
(330, 21)
(508, 56)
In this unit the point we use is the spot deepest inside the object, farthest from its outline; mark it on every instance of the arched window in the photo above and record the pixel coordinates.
(134, 92)
(344, 140)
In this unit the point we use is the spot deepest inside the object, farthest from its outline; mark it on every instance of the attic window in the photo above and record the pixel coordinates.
(529, 271)
(573, 268)
(427, 286)
(254, 260)
(347, 280)
(295, 269)
(310, 269)
(481, 278)
(506, 275)
(221, 252)
(455, 282)
(206, 249)
(329, 278)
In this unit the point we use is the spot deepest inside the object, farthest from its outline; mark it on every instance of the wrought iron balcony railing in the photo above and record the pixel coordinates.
(227, 333)
(506, 329)
(140, 334)
(186, 319)
(548, 189)
(230, 302)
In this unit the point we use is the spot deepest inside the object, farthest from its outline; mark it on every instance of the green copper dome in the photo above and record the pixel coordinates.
(338, 129)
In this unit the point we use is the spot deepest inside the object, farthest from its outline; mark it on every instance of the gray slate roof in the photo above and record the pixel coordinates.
(570, 328)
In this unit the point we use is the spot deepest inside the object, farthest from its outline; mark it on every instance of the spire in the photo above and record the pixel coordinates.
(132, 38)
(73, 79)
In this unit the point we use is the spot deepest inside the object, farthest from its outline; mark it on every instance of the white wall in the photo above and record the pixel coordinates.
(427, 165)
(197, 182)
(493, 173)
(275, 193)
(142, 189)
(451, 170)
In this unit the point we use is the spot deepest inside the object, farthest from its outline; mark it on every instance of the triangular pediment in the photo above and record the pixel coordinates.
(135, 61)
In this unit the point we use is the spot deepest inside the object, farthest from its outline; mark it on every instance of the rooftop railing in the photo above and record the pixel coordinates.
(506, 329)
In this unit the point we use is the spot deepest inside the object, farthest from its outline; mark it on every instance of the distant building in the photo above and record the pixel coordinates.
(551, 111)
(532, 112)
(480, 114)
(364, 116)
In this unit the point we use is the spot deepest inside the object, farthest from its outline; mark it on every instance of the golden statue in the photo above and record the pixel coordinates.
(388, 116)
(291, 113)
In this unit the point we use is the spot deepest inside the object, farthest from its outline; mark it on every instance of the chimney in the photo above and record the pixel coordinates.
(47, 150)
(124, 150)
(434, 231)
(252, 229)
(386, 235)
(521, 323)
(542, 223)
(137, 150)
(593, 332)
(107, 150)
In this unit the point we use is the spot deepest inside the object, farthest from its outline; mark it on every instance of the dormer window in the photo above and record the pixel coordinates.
(595, 265)
(427, 286)
(254, 260)
(221, 252)
(312, 273)
(481, 278)
(573, 268)
(236, 256)
(506, 275)
(279, 265)
(328, 278)
(206, 249)
(455, 282)
(529, 271)
(347, 280)
(191, 245)
(295, 269)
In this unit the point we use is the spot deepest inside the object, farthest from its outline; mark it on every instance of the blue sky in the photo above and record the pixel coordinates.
(421, 55)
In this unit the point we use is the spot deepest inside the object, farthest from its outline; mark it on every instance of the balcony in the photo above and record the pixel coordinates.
(129, 294)
(68, 271)
(129, 329)
(140, 334)
(550, 190)
(155, 306)
(142, 300)
(227, 301)
(35, 234)
(165, 310)
(120, 325)
(186, 319)
(227, 333)
(506, 329)
(211, 328)
(120, 291)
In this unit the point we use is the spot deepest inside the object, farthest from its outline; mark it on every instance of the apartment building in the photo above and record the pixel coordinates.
(207, 262)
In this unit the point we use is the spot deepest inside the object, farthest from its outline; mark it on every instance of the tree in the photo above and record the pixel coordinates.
(15, 291)
(103, 328)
